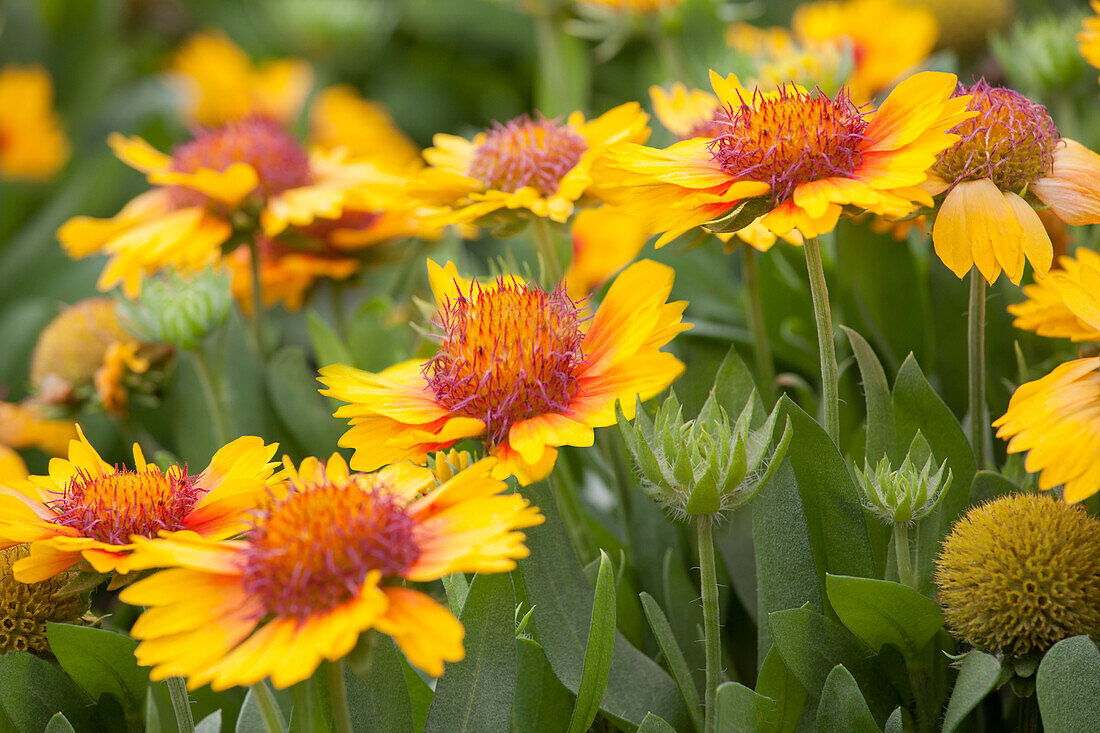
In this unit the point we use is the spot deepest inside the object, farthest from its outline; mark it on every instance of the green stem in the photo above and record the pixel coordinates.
(211, 387)
(181, 704)
(338, 315)
(338, 696)
(572, 515)
(927, 704)
(1027, 715)
(269, 710)
(901, 550)
(975, 336)
(257, 299)
(302, 695)
(761, 346)
(544, 239)
(708, 581)
(823, 317)
(672, 57)
(555, 84)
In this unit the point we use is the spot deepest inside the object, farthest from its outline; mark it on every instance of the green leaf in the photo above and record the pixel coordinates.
(740, 710)
(989, 485)
(562, 599)
(734, 387)
(842, 708)
(476, 693)
(776, 682)
(420, 694)
(542, 703)
(735, 544)
(373, 340)
(652, 724)
(292, 391)
(881, 612)
(978, 673)
(597, 650)
(681, 593)
(59, 724)
(327, 346)
(1068, 686)
(380, 700)
(740, 216)
(895, 723)
(212, 723)
(32, 691)
(250, 719)
(880, 410)
(101, 662)
(674, 658)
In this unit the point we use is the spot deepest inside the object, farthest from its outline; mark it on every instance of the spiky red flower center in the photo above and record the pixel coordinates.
(280, 162)
(790, 137)
(508, 352)
(312, 552)
(114, 507)
(1011, 141)
(527, 152)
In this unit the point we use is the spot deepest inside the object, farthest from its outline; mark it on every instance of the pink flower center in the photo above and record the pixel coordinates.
(527, 152)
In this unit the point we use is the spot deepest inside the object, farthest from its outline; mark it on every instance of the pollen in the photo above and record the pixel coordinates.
(114, 507)
(312, 551)
(508, 352)
(527, 152)
(279, 160)
(1011, 141)
(790, 137)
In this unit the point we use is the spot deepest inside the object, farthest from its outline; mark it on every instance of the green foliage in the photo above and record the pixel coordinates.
(1068, 685)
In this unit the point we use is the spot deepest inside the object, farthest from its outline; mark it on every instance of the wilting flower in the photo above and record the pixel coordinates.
(220, 84)
(86, 509)
(1008, 155)
(531, 163)
(320, 567)
(793, 157)
(1055, 420)
(1020, 573)
(517, 367)
(888, 38)
(32, 143)
(907, 494)
(26, 608)
(1066, 303)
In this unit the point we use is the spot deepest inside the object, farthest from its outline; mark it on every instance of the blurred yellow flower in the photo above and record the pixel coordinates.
(32, 143)
(321, 566)
(1066, 303)
(639, 7)
(220, 84)
(779, 59)
(286, 274)
(340, 118)
(25, 425)
(604, 241)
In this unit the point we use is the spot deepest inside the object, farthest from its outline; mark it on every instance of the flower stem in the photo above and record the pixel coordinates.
(257, 298)
(211, 387)
(302, 694)
(544, 238)
(672, 57)
(975, 336)
(901, 550)
(761, 347)
(338, 696)
(830, 390)
(708, 581)
(181, 704)
(269, 710)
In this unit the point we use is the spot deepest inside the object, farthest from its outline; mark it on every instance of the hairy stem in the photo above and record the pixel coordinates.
(975, 336)
(338, 696)
(901, 550)
(708, 581)
(544, 238)
(823, 317)
(761, 347)
(181, 704)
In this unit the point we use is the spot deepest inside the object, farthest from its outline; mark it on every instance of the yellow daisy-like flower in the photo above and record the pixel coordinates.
(888, 38)
(25, 425)
(32, 143)
(340, 118)
(778, 59)
(517, 367)
(804, 156)
(539, 165)
(286, 274)
(1089, 38)
(319, 568)
(604, 241)
(220, 84)
(1064, 304)
(1009, 153)
(1056, 420)
(250, 170)
(87, 509)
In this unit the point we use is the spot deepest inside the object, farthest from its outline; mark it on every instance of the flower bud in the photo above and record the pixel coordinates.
(1041, 55)
(179, 310)
(904, 495)
(704, 466)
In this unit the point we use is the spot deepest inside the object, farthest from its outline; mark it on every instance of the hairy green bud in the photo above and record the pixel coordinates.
(903, 495)
(179, 310)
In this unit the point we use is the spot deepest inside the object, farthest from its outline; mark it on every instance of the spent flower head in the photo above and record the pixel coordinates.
(704, 466)
(907, 494)
(25, 608)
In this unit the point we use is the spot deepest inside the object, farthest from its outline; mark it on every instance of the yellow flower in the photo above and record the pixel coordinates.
(286, 274)
(888, 38)
(26, 608)
(804, 157)
(12, 467)
(220, 84)
(25, 425)
(319, 568)
(1089, 38)
(340, 118)
(778, 59)
(249, 173)
(88, 509)
(536, 164)
(32, 143)
(605, 240)
(1010, 153)
(1065, 304)
(517, 367)
(1056, 420)
(637, 7)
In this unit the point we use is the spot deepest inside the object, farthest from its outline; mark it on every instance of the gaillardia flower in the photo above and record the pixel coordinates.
(634, 7)
(26, 425)
(1089, 37)
(26, 608)
(219, 83)
(1008, 156)
(517, 367)
(1066, 303)
(87, 509)
(802, 156)
(32, 143)
(532, 163)
(1018, 574)
(321, 566)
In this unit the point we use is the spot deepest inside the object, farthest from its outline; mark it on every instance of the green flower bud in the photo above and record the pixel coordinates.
(904, 495)
(179, 310)
(1041, 55)
(704, 466)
